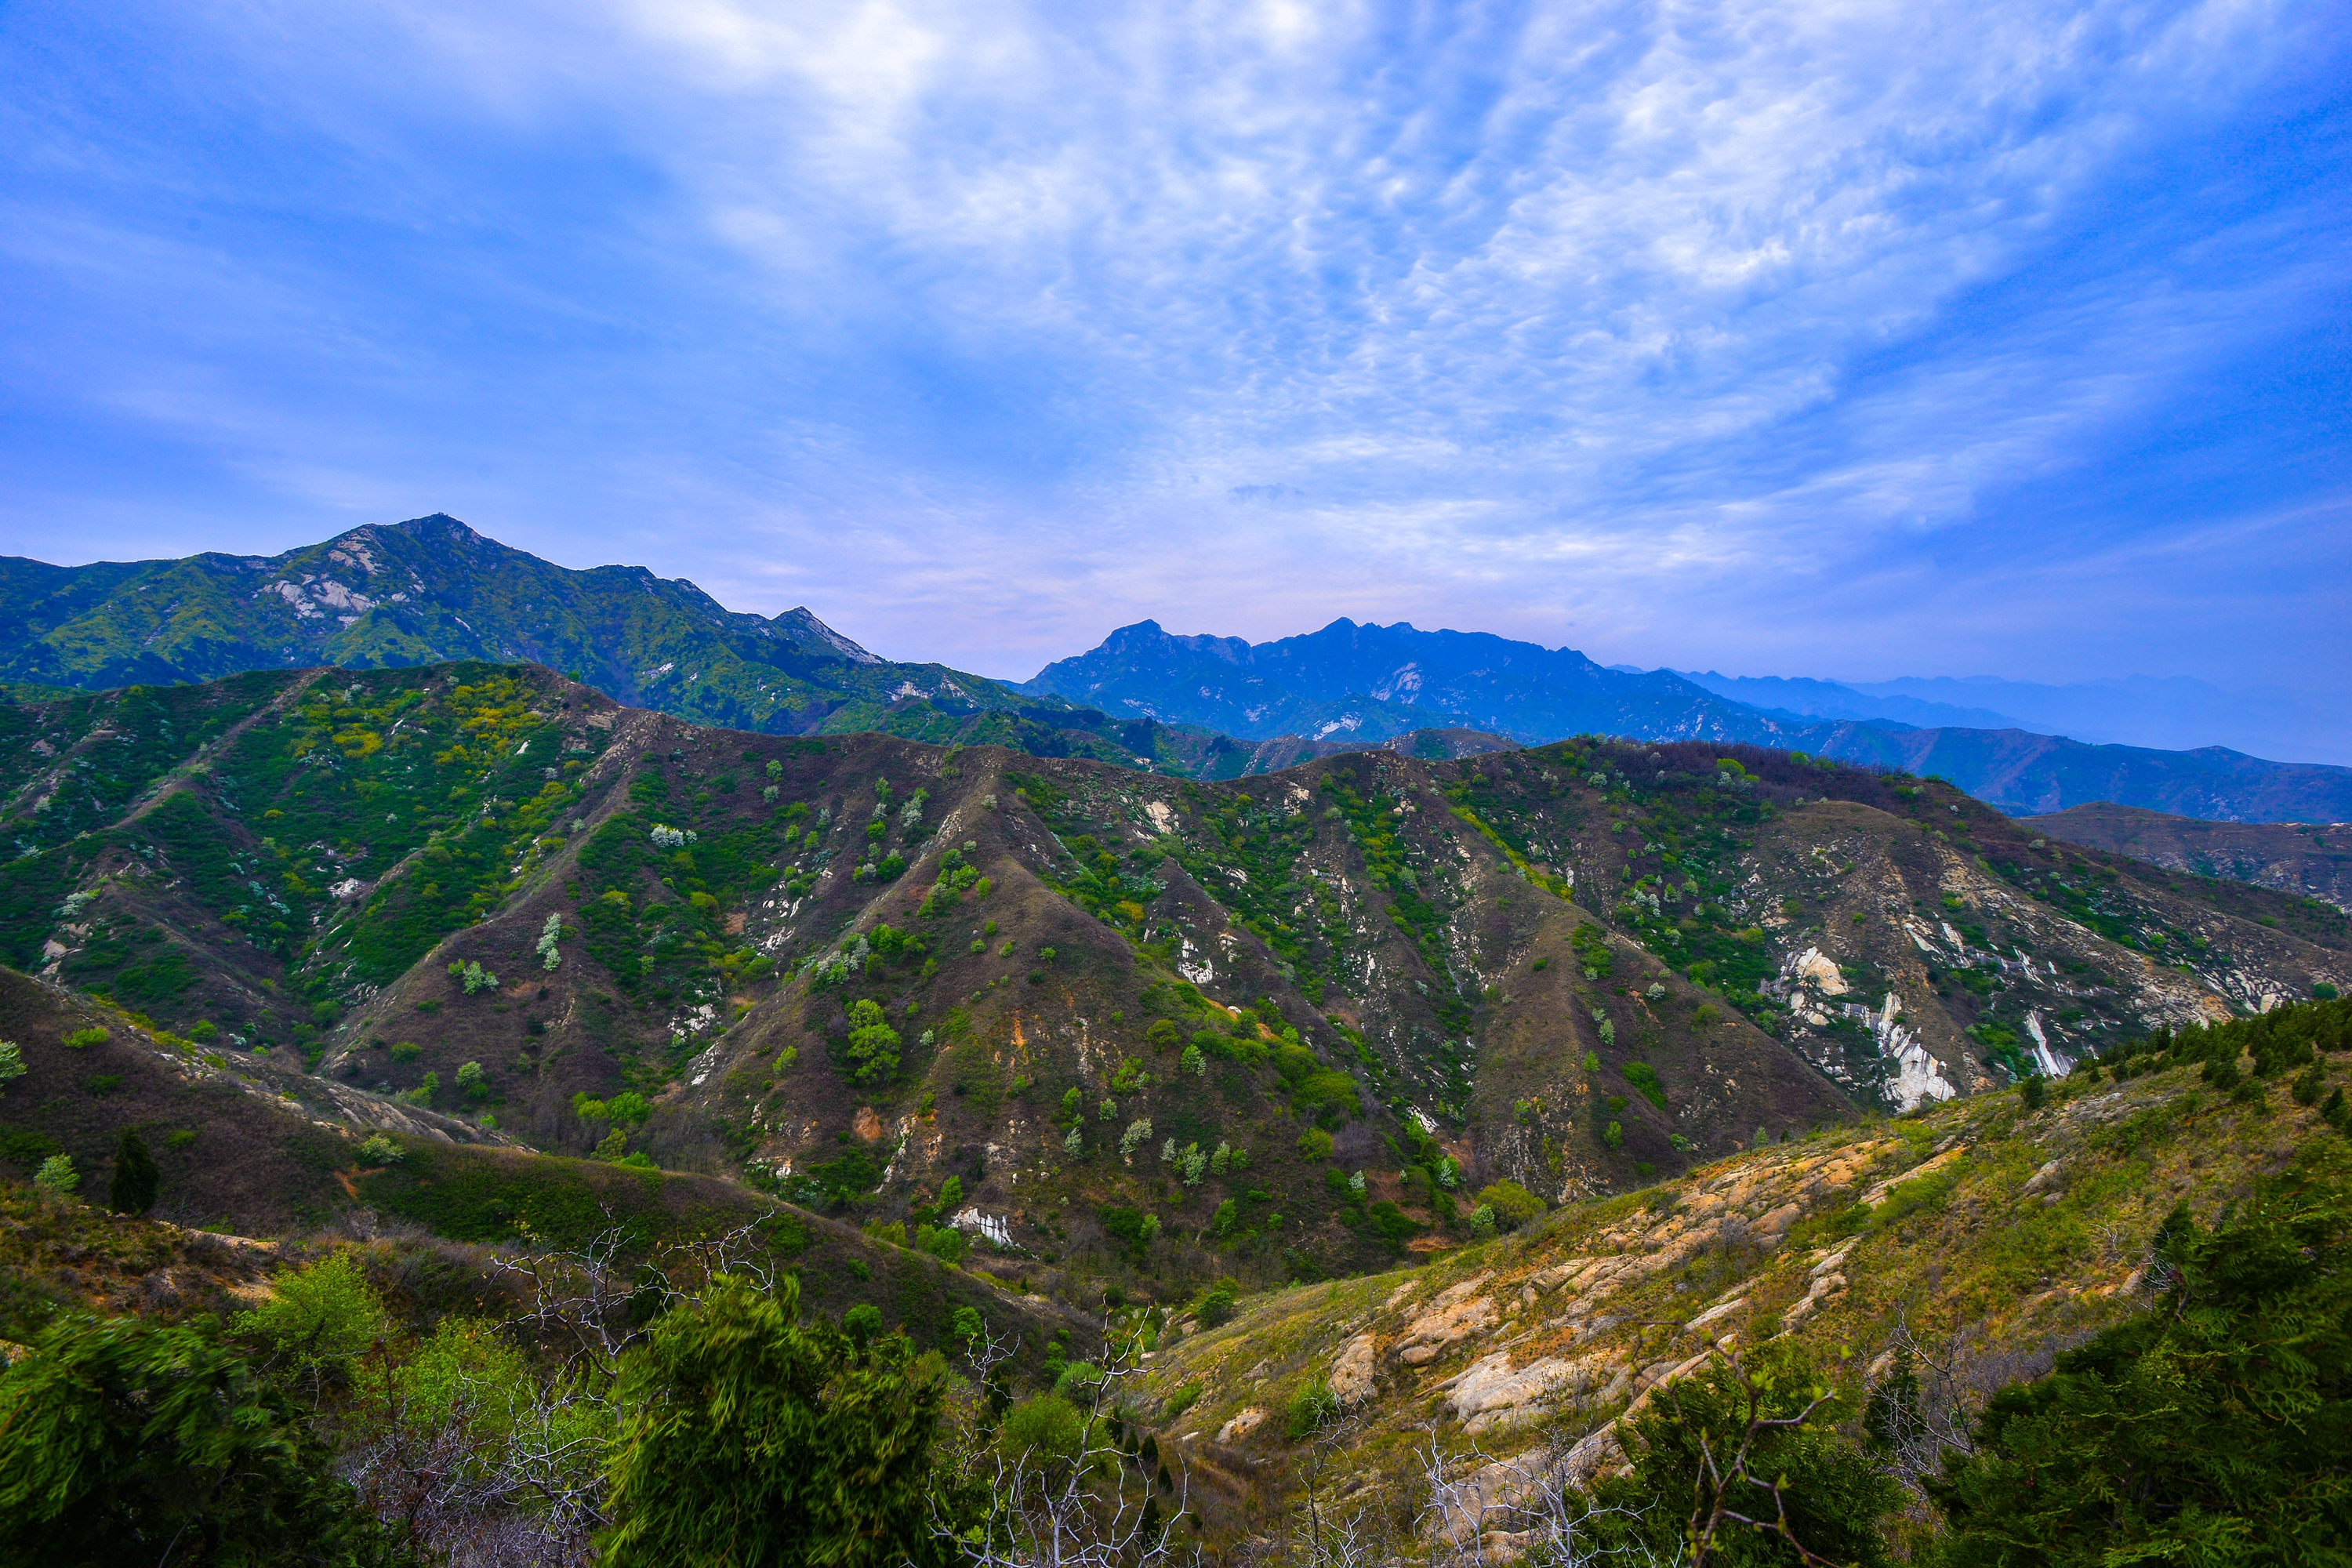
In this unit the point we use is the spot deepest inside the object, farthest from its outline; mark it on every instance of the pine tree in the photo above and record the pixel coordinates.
(2217, 1428)
(136, 1180)
(751, 1440)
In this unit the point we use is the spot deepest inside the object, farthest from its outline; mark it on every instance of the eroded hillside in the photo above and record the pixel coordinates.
(1985, 1234)
(1153, 1030)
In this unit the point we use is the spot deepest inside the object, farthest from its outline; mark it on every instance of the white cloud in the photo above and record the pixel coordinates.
(965, 322)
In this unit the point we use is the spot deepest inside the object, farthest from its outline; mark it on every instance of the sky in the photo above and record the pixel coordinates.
(1853, 339)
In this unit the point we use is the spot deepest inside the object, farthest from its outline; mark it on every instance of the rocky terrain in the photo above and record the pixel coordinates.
(1153, 1030)
(2314, 859)
(1982, 1237)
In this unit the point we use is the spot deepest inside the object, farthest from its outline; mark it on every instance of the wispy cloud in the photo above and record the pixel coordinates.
(1835, 338)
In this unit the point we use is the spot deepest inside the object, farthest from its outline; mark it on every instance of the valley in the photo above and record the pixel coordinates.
(2313, 859)
(487, 903)
(1457, 1076)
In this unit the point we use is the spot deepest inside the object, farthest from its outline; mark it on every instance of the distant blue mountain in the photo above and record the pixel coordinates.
(1830, 699)
(1371, 683)
(1351, 682)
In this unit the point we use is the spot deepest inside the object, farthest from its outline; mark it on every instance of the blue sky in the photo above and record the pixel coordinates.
(1850, 340)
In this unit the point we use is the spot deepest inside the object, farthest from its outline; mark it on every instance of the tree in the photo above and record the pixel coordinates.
(751, 1440)
(126, 1442)
(873, 1044)
(136, 1180)
(58, 1175)
(319, 1316)
(1742, 1465)
(2217, 1427)
(1514, 1205)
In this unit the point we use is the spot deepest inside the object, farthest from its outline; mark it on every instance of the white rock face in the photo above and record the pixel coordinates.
(1491, 1394)
(994, 1226)
(1820, 972)
(1918, 1077)
(1351, 1370)
(1824, 1288)
(1454, 1316)
(1242, 1425)
(2052, 1062)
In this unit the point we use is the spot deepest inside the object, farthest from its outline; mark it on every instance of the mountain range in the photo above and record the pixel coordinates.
(1096, 1003)
(2172, 712)
(432, 589)
(1369, 682)
(480, 904)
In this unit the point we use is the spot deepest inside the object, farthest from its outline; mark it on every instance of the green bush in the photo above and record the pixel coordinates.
(125, 1442)
(1214, 1304)
(1512, 1203)
(1834, 1497)
(83, 1039)
(321, 1314)
(749, 1437)
(136, 1180)
(2217, 1428)
(873, 1044)
(57, 1174)
(1312, 1407)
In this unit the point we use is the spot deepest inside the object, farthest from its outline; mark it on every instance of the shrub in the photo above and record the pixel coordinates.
(1482, 1221)
(83, 1039)
(1315, 1143)
(1644, 1078)
(1215, 1302)
(378, 1150)
(125, 1442)
(1696, 1433)
(57, 1174)
(1043, 1429)
(1312, 1406)
(12, 1061)
(750, 1437)
(2205, 1430)
(873, 1044)
(1514, 1205)
(322, 1314)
